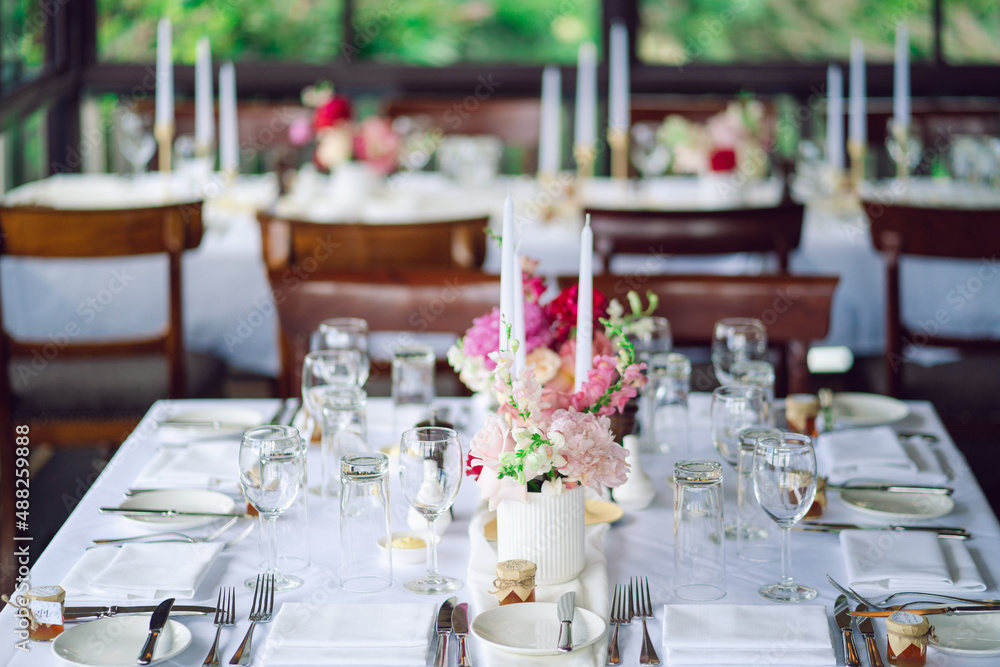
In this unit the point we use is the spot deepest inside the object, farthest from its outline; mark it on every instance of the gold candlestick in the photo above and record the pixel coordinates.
(164, 133)
(901, 133)
(618, 140)
(585, 155)
(856, 150)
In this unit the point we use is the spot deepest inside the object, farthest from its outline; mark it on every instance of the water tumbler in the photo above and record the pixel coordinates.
(364, 521)
(699, 538)
(412, 385)
(756, 533)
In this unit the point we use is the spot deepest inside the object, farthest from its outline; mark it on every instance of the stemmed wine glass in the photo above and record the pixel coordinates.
(911, 152)
(735, 407)
(323, 370)
(135, 141)
(649, 155)
(345, 333)
(430, 469)
(737, 339)
(784, 482)
(272, 461)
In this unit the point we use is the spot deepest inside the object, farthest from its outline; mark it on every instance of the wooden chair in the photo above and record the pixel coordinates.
(774, 230)
(62, 393)
(795, 309)
(308, 246)
(898, 230)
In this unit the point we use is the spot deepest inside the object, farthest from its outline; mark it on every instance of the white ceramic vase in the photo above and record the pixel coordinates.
(548, 531)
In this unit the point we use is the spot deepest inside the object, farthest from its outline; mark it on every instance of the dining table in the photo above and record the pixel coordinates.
(638, 544)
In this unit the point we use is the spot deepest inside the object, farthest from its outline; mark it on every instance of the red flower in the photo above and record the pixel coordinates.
(562, 312)
(338, 109)
(724, 160)
(471, 470)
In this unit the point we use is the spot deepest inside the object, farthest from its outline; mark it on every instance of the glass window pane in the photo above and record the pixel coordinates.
(299, 30)
(446, 32)
(675, 32)
(971, 32)
(23, 39)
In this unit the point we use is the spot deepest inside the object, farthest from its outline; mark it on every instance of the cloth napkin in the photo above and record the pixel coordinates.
(591, 589)
(731, 634)
(146, 571)
(202, 465)
(876, 453)
(351, 634)
(881, 561)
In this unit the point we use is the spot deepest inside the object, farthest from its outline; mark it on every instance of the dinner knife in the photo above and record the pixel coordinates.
(156, 623)
(892, 488)
(867, 630)
(942, 531)
(213, 425)
(845, 623)
(929, 611)
(460, 623)
(565, 609)
(88, 613)
(171, 513)
(443, 630)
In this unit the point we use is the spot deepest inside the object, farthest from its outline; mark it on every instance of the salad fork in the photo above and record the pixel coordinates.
(225, 614)
(850, 592)
(260, 612)
(644, 609)
(620, 615)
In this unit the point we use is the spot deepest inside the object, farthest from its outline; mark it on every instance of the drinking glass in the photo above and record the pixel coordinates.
(135, 139)
(345, 333)
(430, 470)
(270, 462)
(754, 531)
(784, 482)
(735, 407)
(649, 336)
(699, 550)
(412, 385)
(345, 431)
(757, 374)
(737, 339)
(649, 155)
(668, 390)
(323, 370)
(364, 522)
(911, 152)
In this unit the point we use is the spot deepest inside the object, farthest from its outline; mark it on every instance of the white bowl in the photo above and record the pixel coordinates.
(408, 556)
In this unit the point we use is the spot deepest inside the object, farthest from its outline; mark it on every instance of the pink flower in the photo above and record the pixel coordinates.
(489, 442)
(495, 490)
(592, 457)
(483, 337)
(377, 144)
(300, 131)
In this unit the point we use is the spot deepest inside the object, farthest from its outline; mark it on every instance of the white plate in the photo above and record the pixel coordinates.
(895, 505)
(856, 410)
(976, 635)
(532, 628)
(116, 641)
(240, 418)
(184, 500)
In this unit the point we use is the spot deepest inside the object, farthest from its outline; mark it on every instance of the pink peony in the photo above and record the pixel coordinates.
(483, 337)
(490, 441)
(592, 457)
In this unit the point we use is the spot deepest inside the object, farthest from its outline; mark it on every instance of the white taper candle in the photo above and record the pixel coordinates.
(858, 121)
(164, 75)
(507, 242)
(901, 78)
(835, 117)
(585, 308)
(229, 143)
(586, 96)
(204, 100)
(550, 132)
(618, 79)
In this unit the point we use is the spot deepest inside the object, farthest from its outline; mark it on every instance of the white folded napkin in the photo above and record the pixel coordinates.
(875, 453)
(731, 634)
(591, 589)
(201, 464)
(882, 561)
(146, 571)
(351, 634)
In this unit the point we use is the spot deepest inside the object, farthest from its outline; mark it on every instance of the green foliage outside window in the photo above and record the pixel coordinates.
(23, 47)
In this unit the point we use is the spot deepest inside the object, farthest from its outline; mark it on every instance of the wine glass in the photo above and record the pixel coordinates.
(417, 141)
(430, 469)
(650, 156)
(737, 339)
(135, 139)
(903, 144)
(345, 333)
(784, 482)
(323, 370)
(272, 461)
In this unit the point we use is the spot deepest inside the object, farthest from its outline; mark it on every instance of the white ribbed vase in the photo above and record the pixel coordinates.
(548, 531)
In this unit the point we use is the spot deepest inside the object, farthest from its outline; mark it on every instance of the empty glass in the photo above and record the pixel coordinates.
(270, 464)
(412, 385)
(364, 521)
(737, 339)
(345, 333)
(784, 481)
(699, 549)
(345, 431)
(734, 408)
(669, 386)
(904, 146)
(755, 533)
(431, 464)
(649, 336)
(757, 374)
(649, 155)
(134, 135)
(323, 370)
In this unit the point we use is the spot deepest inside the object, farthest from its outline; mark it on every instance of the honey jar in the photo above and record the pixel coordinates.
(801, 411)
(43, 607)
(907, 639)
(819, 503)
(515, 581)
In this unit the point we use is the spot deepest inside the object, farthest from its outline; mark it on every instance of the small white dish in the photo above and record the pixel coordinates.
(408, 555)
(184, 500)
(974, 635)
(896, 505)
(854, 410)
(532, 628)
(117, 640)
(200, 420)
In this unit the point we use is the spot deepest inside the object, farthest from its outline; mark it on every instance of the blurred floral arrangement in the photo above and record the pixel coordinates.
(731, 140)
(544, 436)
(339, 138)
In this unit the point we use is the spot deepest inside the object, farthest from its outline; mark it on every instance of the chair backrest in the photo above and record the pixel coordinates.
(311, 246)
(776, 229)
(956, 233)
(408, 302)
(795, 309)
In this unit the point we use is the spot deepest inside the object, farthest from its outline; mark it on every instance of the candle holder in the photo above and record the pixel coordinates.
(904, 149)
(203, 149)
(164, 133)
(618, 140)
(856, 151)
(585, 156)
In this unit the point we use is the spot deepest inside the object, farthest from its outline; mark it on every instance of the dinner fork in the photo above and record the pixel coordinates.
(180, 537)
(620, 615)
(847, 590)
(260, 612)
(644, 609)
(225, 614)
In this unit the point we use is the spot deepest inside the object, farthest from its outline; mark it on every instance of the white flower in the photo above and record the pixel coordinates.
(545, 363)
(552, 488)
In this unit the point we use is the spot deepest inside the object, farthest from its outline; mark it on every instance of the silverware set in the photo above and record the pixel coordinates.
(630, 601)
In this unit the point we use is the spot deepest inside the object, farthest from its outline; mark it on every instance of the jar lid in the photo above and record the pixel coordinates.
(46, 594)
(364, 466)
(906, 624)
(512, 570)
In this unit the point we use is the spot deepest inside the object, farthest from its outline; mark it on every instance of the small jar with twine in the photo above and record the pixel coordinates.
(907, 636)
(43, 609)
(515, 582)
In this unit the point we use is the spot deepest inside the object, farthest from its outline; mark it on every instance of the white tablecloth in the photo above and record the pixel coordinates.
(639, 544)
